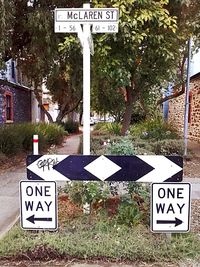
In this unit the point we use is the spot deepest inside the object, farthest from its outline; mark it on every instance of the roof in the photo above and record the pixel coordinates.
(15, 85)
(196, 76)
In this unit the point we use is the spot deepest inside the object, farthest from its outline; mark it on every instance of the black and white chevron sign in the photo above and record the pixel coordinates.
(105, 168)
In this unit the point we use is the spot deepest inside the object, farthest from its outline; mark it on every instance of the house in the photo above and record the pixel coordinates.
(177, 109)
(17, 100)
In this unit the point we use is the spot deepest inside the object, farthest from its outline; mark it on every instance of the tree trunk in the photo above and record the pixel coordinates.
(65, 109)
(128, 111)
(176, 92)
(39, 99)
(49, 117)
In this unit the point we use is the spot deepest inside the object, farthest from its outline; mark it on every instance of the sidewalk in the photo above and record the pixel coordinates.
(70, 145)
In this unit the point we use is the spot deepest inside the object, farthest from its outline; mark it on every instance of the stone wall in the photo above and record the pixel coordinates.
(177, 109)
(21, 98)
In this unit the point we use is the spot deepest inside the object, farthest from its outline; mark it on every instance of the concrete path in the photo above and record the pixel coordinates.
(9, 187)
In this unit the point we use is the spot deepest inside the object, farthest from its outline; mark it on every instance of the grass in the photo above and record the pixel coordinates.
(99, 238)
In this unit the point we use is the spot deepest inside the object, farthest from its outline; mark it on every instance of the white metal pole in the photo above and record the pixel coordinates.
(86, 87)
(35, 145)
(187, 98)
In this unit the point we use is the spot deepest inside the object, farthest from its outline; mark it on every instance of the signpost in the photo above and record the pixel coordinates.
(105, 168)
(72, 20)
(38, 205)
(170, 207)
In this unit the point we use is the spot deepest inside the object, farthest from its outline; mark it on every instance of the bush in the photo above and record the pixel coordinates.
(51, 133)
(113, 128)
(99, 126)
(122, 147)
(168, 147)
(19, 137)
(129, 213)
(153, 129)
(10, 140)
(70, 126)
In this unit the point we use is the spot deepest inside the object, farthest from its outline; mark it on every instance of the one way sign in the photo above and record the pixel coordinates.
(170, 207)
(105, 168)
(38, 205)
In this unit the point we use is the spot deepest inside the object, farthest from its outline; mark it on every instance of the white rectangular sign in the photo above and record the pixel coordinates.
(104, 27)
(170, 207)
(38, 205)
(86, 15)
(62, 27)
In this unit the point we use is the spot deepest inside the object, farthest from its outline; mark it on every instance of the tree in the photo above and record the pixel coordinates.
(33, 42)
(140, 55)
(188, 17)
(6, 18)
(65, 78)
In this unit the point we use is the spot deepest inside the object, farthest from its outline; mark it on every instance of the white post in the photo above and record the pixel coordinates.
(86, 87)
(35, 145)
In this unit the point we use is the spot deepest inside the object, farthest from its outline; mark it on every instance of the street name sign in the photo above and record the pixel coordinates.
(82, 15)
(170, 207)
(38, 203)
(104, 27)
(62, 27)
(103, 20)
(105, 168)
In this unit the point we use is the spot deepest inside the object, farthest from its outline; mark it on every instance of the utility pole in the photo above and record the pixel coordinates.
(187, 98)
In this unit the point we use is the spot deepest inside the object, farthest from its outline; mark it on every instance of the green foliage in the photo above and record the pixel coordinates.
(10, 141)
(113, 128)
(90, 192)
(168, 147)
(51, 133)
(129, 213)
(70, 126)
(155, 129)
(123, 147)
(19, 137)
(138, 114)
(140, 189)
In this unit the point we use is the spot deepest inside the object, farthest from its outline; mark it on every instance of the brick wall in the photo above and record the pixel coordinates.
(21, 98)
(177, 109)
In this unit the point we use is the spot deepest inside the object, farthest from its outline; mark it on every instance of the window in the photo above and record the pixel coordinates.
(8, 106)
(13, 70)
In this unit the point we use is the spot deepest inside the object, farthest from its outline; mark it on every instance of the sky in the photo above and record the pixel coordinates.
(195, 64)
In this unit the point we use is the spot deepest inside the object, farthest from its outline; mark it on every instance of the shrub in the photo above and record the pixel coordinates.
(18, 137)
(113, 128)
(99, 126)
(70, 126)
(51, 133)
(128, 213)
(123, 147)
(10, 140)
(153, 129)
(168, 147)
(90, 192)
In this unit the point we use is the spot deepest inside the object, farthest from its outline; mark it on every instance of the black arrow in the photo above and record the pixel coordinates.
(32, 219)
(176, 222)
